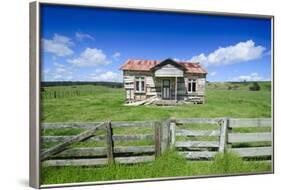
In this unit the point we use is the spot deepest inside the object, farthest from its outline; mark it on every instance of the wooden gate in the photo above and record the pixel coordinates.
(222, 136)
(106, 152)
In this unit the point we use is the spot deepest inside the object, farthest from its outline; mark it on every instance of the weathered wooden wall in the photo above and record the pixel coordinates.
(200, 82)
(169, 71)
(153, 85)
(129, 85)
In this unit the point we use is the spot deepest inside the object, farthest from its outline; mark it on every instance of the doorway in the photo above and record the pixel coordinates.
(166, 92)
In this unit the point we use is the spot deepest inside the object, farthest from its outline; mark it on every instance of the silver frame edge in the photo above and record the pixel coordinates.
(34, 105)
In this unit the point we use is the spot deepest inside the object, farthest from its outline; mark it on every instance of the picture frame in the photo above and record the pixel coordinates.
(168, 90)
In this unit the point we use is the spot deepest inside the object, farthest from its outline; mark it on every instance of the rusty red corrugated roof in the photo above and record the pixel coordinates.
(147, 65)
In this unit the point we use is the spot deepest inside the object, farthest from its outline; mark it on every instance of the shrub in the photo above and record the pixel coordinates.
(255, 87)
(235, 87)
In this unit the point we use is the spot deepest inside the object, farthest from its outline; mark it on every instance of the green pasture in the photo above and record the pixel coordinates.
(85, 103)
(99, 103)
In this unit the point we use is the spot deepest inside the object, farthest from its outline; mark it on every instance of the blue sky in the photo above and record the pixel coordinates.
(90, 44)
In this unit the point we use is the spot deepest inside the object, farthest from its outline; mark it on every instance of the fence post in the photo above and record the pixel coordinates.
(110, 145)
(157, 136)
(229, 130)
(165, 135)
(172, 132)
(224, 123)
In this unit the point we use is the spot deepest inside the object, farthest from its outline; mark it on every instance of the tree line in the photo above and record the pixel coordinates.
(71, 83)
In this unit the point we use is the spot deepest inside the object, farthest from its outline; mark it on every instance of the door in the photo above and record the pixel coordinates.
(166, 92)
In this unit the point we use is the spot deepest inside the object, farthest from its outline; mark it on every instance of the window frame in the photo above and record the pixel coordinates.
(190, 84)
(140, 84)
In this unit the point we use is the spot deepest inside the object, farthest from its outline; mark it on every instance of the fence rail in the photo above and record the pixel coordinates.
(248, 137)
(101, 138)
(253, 122)
(171, 133)
(102, 151)
(91, 125)
(197, 133)
(98, 161)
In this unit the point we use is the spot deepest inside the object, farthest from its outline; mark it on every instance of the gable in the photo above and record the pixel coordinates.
(168, 62)
(168, 70)
(153, 65)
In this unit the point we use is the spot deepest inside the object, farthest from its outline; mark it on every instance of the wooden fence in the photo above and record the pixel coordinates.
(164, 135)
(228, 141)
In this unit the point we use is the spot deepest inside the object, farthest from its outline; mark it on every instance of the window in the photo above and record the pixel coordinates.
(191, 85)
(139, 84)
(166, 83)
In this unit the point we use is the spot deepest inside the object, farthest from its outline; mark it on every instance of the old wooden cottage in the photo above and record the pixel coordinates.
(166, 80)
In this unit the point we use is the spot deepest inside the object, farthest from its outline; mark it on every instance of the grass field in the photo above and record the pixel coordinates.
(100, 103)
(103, 103)
(168, 165)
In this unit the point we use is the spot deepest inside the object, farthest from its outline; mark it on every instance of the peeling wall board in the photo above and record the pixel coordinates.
(129, 79)
(168, 71)
(150, 81)
(129, 85)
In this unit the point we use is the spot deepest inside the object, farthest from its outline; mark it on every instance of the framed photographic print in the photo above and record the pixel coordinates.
(128, 94)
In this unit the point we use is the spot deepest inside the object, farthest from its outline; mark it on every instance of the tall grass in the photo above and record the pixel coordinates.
(169, 164)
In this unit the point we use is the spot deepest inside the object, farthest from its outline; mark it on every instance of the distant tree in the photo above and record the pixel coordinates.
(235, 87)
(255, 87)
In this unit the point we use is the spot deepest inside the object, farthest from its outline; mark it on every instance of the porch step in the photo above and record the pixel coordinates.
(166, 103)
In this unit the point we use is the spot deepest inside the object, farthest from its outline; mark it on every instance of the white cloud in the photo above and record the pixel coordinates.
(116, 55)
(58, 65)
(58, 72)
(250, 77)
(240, 52)
(83, 36)
(98, 70)
(59, 45)
(108, 76)
(54, 57)
(45, 74)
(90, 57)
(268, 53)
(46, 71)
(213, 73)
